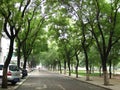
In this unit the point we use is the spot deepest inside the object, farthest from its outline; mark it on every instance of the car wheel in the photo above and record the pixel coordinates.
(13, 83)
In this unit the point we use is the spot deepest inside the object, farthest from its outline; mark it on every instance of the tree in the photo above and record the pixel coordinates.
(113, 59)
(13, 17)
(104, 27)
(76, 9)
(102, 22)
(28, 27)
(40, 45)
(1, 27)
(61, 32)
(30, 42)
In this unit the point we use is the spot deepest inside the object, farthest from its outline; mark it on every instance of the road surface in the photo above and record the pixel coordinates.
(45, 80)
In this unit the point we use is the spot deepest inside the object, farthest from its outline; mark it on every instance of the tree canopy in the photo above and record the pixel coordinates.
(63, 33)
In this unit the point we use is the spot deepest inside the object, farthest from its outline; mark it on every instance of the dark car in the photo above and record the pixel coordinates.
(24, 72)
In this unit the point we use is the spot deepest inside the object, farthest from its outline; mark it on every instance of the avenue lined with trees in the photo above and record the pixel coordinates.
(63, 34)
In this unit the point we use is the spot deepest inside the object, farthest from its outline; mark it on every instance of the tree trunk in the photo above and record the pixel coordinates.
(100, 73)
(110, 71)
(93, 69)
(60, 67)
(113, 69)
(18, 56)
(84, 46)
(106, 80)
(69, 68)
(77, 64)
(64, 66)
(87, 66)
(90, 68)
(25, 63)
(87, 75)
(105, 73)
(6, 64)
(4, 78)
(72, 67)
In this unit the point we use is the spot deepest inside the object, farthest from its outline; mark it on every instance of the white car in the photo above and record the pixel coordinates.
(13, 74)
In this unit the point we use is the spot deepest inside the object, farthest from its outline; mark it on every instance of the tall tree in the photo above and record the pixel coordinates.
(104, 27)
(13, 16)
(30, 42)
(76, 9)
(103, 24)
(28, 27)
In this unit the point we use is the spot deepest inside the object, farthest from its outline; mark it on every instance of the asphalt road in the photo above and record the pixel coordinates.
(44, 80)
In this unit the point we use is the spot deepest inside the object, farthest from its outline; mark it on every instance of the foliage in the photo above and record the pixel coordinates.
(70, 26)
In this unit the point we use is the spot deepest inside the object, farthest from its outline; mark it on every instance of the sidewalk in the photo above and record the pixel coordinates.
(114, 82)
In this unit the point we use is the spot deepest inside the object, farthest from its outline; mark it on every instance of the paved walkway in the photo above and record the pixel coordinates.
(114, 82)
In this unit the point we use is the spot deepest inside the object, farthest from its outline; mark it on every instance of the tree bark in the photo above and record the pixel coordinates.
(18, 56)
(110, 71)
(106, 80)
(105, 73)
(87, 66)
(4, 78)
(69, 68)
(64, 66)
(60, 67)
(25, 63)
(68, 61)
(6, 64)
(100, 73)
(77, 64)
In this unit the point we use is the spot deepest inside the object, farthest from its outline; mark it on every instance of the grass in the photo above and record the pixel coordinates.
(83, 73)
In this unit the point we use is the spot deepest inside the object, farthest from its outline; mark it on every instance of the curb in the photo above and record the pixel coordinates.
(20, 83)
(16, 86)
(92, 84)
(87, 82)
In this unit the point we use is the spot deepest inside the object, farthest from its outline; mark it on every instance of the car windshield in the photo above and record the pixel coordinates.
(1, 67)
(13, 68)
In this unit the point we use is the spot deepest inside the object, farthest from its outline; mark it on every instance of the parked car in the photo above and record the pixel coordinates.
(1, 70)
(13, 74)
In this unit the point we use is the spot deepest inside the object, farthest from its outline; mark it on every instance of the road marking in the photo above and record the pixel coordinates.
(61, 87)
(42, 87)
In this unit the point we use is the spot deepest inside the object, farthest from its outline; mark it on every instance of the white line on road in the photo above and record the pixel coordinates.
(42, 87)
(61, 87)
